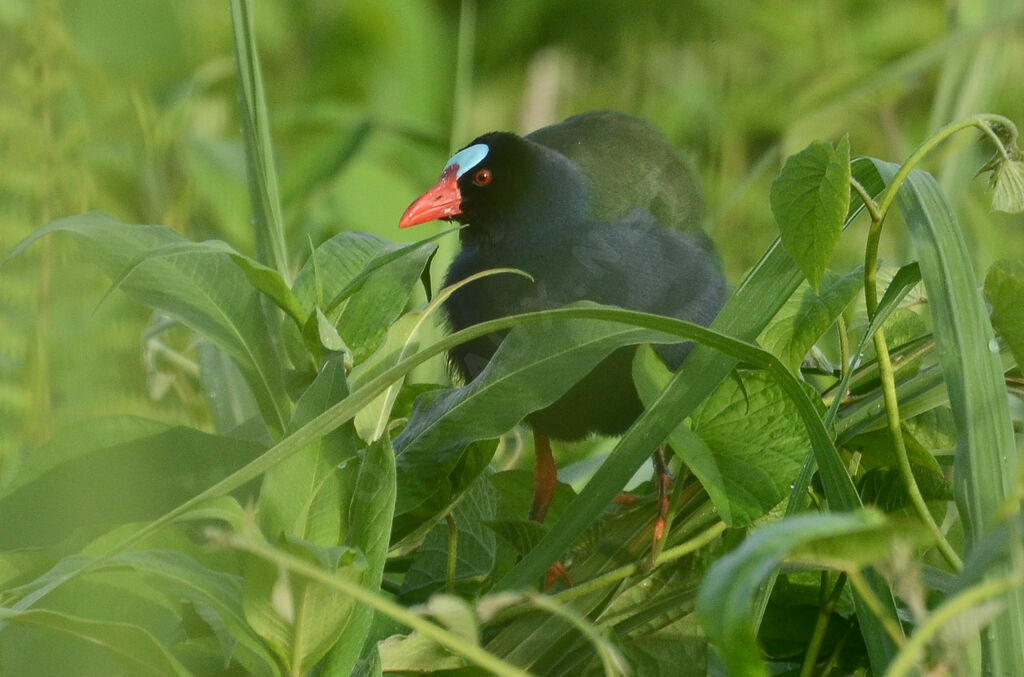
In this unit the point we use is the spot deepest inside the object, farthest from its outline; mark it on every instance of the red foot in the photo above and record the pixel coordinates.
(557, 571)
(626, 498)
(659, 528)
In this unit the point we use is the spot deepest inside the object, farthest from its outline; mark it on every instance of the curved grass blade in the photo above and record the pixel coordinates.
(985, 466)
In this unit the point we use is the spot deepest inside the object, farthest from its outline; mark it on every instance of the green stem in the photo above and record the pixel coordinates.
(844, 347)
(865, 592)
(622, 573)
(453, 553)
(878, 213)
(979, 121)
(449, 640)
(907, 658)
(820, 625)
(888, 378)
(892, 415)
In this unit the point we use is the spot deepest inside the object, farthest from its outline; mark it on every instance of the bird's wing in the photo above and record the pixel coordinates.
(628, 164)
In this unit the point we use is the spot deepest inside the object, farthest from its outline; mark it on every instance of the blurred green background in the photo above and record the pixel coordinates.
(129, 106)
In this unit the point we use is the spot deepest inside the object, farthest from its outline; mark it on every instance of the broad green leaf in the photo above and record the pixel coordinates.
(206, 292)
(730, 585)
(416, 653)
(134, 480)
(807, 315)
(300, 619)
(136, 649)
(475, 552)
(375, 278)
(745, 444)
(370, 513)
(810, 199)
(217, 596)
(1004, 289)
(886, 488)
(233, 409)
(532, 368)
(262, 278)
(655, 623)
(304, 495)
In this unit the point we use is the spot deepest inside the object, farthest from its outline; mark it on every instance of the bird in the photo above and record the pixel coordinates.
(598, 207)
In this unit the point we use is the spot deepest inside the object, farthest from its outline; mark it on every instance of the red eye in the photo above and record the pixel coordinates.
(482, 177)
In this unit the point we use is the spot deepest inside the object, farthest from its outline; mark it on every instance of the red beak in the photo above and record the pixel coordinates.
(440, 202)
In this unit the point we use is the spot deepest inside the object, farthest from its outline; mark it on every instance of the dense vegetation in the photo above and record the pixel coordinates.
(287, 483)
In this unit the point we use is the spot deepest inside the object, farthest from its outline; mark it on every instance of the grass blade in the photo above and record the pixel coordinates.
(985, 467)
(268, 224)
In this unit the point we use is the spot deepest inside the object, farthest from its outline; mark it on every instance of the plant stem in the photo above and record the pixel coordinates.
(453, 553)
(892, 415)
(820, 625)
(878, 213)
(894, 631)
(622, 573)
(907, 657)
(980, 121)
(455, 643)
(844, 347)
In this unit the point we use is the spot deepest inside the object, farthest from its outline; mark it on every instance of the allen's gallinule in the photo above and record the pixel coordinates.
(597, 207)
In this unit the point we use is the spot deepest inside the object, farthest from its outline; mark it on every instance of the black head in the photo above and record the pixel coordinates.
(501, 181)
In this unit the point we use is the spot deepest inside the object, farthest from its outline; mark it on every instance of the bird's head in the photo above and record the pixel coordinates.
(500, 180)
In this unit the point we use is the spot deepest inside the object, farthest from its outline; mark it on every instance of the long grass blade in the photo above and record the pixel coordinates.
(985, 467)
(268, 223)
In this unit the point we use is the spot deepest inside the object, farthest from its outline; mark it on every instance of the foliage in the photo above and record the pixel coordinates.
(300, 491)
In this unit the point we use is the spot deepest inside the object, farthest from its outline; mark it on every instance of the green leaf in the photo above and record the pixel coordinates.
(300, 619)
(134, 480)
(810, 199)
(213, 592)
(264, 196)
(886, 488)
(304, 494)
(262, 278)
(416, 653)
(373, 275)
(1007, 183)
(724, 603)
(1004, 289)
(475, 552)
(370, 513)
(534, 366)
(135, 648)
(985, 466)
(807, 315)
(233, 409)
(206, 292)
(745, 444)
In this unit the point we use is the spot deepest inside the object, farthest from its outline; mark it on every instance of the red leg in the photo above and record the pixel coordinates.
(545, 477)
(663, 481)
